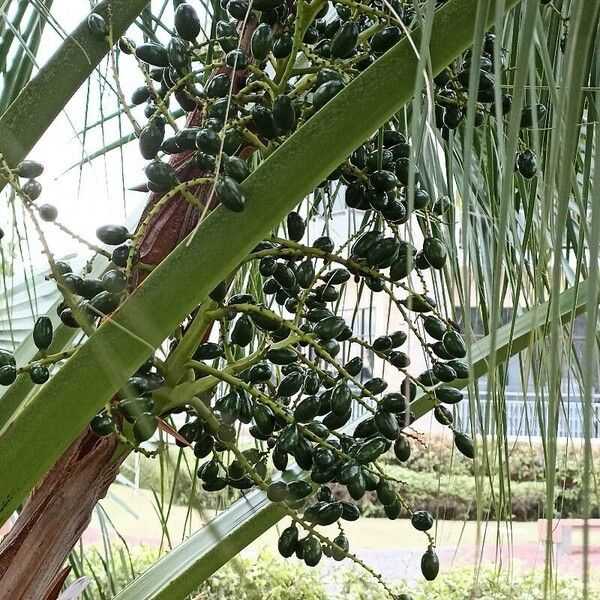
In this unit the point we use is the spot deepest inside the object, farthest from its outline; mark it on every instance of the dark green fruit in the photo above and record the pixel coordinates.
(287, 541)
(305, 273)
(120, 256)
(434, 327)
(141, 94)
(261, 42)
(443, 415)
(114, 281)
(29, 169)
(326, 92)
(237, 59)
(42, 333)
(243, 331)
(97, 25)
(39, 374)
(144, 427)
(262, 117)
(370, 451)
(112, 235)
(312, 551)
(307, 409)
(350, 512)
(238, 9)
(207, 140)
(219, 86)
(283, 46)
(187, 22)
(434, 252)
(285, 276)
(295, 226)
(277, 491)
(68, 319)
(103, 304)
(48, 213)
(153, 54)
(90, 287)
(264, 418)
(260, 373)
(398, 338)
(131, 408)
(329, 514)
(392, 511)
(290, 385)
(375, 385)
(344, 40)
(323, 457)
(527, 115)
(329, 328)
(447, 394)
(312, 383)
(161, 175)
(527, 164)
(383, 253)
(382, 343)
(288, 438)
(32, 189)
(150, 139)
(354, 366)
(341, 399)
(386, 494)
(266, 4)
(443, 372)
(454, 344)
(227, 37)
(387, 425)
(419, 303)
(299, 489)
(404, 262)
(208, 351)
(460, 367)
(340, 550)
(384, 181)
(385, 38)
(281, 356)
(216, 485)
(393, 402)
(402, 448)
(422, 520)
(463, 443)
(230, 194)
(232, 141)
(364, 243)
(284, 113)
(430, 564)
(236, 168)
(102, 425)
(324, 243)
(177, 52)
(440, 351)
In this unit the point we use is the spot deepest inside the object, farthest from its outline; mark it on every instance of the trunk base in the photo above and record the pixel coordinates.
(55, 515)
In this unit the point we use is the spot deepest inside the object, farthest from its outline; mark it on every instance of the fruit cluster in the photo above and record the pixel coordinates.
(275, 367)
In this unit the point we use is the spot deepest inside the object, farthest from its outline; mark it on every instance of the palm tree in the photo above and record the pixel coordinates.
(528, 242)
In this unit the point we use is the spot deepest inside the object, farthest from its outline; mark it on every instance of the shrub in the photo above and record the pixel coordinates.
(460, 583)
(267, 577)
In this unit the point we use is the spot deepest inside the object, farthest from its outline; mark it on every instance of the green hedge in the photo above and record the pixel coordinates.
(271, 578)
(450, 496)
